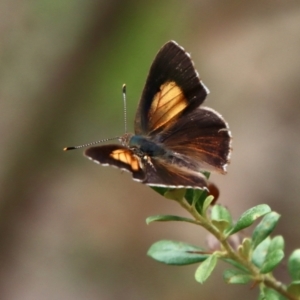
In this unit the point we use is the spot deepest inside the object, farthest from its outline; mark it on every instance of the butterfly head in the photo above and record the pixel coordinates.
(125, 139)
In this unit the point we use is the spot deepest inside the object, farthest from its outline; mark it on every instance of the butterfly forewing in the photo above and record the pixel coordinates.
(172, 86)
(118, 156)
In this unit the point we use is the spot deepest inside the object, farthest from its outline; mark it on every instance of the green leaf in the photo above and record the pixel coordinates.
(160, 190)
(249, 216)
(264, 228)
(274, 255)
(245, 248)
(294, 288)
(235, 264)
(166, 218)
(260, 252)
(294, 265)
(273, 258)
(221, 217)
(206, 204)
(206, 268)
(196, 198)
(234, 276)
(206, 174)
(268, 254)
(269, 294)
(189, 195)
(221, 213)
(193, 194)
(222, 225)
(277, 243)
(176, 253)
(175, 194)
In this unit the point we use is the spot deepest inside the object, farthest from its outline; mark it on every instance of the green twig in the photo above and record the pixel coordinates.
(266, 279)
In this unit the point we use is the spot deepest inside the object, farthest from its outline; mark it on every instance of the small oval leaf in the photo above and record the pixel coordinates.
(222, 225)
(260, 252)
(277, 243)
(273, 258)
(249, 216)
(264, 228)
(176, 253)
(274, 254)
(221, 213)
(294, 265)
(206, 268)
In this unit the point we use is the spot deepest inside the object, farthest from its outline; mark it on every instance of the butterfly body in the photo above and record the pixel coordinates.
(175, 139)
(145, 147)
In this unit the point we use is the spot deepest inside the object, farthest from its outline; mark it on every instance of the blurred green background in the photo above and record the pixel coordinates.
(70, 229)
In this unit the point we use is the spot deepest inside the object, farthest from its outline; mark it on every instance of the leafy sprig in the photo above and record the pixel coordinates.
(251, 260)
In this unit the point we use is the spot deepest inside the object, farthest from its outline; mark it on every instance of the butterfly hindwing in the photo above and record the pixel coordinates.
(155, 172)
(172, 86)
(162, 173)
(201, 136)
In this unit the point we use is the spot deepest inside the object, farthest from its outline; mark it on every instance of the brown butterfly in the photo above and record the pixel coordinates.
(175, 140)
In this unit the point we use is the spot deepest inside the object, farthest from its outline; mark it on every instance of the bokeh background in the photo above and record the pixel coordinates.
(70, 229)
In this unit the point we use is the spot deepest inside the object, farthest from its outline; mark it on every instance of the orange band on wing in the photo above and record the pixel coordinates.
(127, 158)
(167, 103)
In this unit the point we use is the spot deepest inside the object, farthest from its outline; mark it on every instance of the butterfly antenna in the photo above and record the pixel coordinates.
(109, 139)
(90, 144)
(125, 106)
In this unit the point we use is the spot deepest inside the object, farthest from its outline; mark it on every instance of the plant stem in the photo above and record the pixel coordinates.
(267, 280)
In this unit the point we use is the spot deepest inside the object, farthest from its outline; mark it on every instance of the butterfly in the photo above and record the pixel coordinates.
(175, 139)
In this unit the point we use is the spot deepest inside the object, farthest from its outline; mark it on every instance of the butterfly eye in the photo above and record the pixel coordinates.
(147, 160)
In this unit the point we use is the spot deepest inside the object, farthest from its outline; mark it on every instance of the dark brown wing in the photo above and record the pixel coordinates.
(172, 86)
(202, 137)
(117, 156)
(164, 174)
(155, 172)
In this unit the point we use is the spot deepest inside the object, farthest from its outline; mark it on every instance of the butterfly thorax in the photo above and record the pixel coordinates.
(147, 150)
(143, 146)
